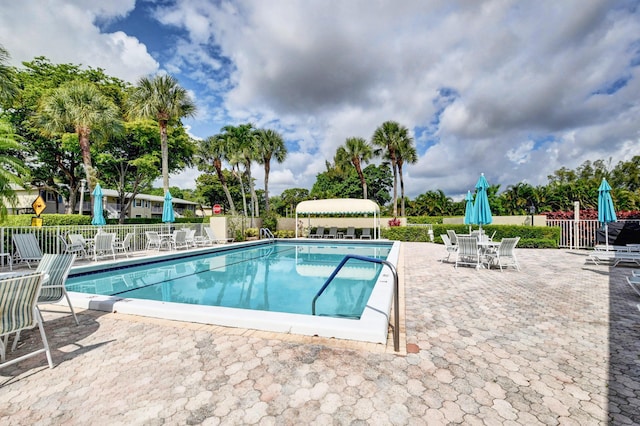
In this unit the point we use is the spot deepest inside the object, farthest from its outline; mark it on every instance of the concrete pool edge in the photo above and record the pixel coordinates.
(372, 327)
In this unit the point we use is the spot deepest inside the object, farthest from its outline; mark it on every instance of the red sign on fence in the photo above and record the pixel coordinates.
(217, 209)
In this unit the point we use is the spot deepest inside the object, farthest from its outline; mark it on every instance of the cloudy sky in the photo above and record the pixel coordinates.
(512, 88)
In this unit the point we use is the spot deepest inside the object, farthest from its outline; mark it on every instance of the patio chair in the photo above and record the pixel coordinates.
(78, 239)
(179, 239)
(153, 240)
(505, 255)
(468, 252)
(27, 248)
(19, 311)
(366, 234)
(449, 247)
(124, 246)
(333, 233)
(453, 237)
(190, 237)
(104, 245)
(318, 234)
(351, 233)
(212, 237)
(57, 267)
(71, 248)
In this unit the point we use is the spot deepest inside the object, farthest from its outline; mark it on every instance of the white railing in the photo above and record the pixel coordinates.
(577, 234)
(47, 236)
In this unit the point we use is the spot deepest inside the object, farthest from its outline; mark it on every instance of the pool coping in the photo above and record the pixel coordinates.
(373, 325)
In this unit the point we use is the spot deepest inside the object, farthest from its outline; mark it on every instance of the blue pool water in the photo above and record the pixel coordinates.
(277, 277)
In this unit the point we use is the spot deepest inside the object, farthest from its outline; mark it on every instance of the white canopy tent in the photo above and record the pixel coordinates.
(341, 205)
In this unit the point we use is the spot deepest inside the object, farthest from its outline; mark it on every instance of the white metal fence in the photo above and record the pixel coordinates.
(577, 234)
(47, 236)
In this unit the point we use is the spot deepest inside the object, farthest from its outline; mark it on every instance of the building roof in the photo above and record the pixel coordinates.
(338, 205)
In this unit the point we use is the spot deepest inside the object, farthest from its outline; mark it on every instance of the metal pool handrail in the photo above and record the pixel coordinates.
(266, 233)
(396, 303)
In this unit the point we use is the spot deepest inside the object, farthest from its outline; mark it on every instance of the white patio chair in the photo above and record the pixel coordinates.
(366, 234)
(71, 248)
(505, 255)
(453, 237)
(468, 252)
(153, 240)
(190, 237)
(449, 247)
(124, 246)
(104, 245)
(57, 267)
(178, 240)
(19, 311)
(27, 248)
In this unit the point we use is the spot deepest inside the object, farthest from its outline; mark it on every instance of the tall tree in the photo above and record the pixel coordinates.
(163, 99)
(355, 152)
(82, 107)
(8, 87)
(388, 137)
(269, 145)
(242, 150)
(209, 156)
(406, 153)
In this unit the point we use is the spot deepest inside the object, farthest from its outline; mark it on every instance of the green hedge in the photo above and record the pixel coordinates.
(530, 236)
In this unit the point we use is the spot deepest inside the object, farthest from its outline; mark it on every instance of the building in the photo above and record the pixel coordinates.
(143, 206)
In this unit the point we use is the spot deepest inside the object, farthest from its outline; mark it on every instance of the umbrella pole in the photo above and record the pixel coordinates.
(606, 235)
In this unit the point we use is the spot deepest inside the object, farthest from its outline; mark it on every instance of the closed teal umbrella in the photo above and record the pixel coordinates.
(167, 209)
(606, 211)
(98, 215)
(481, 209)
(468, 210)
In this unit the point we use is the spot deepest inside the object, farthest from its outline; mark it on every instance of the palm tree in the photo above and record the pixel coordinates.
(269, 145)
(388, 137)
(79, 105)
(163, 99)
(8, 88)
(243, 144)
(355, 151)
(406, 153)
(12, 168)
(209, 154)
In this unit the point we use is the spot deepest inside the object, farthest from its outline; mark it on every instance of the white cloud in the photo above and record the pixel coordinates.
(66, 32)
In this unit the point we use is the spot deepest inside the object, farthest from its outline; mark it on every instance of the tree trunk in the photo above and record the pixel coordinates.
(267, 169)
(217, 164)
(254, 197)
(401, 190)
(165, 155)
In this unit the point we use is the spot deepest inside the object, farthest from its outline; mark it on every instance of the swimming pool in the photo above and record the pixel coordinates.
(259, 285)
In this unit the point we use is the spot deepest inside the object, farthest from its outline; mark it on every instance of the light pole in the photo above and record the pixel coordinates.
(82, 183)
(532, 210)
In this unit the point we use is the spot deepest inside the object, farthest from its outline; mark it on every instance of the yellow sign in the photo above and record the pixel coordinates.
(36, 221)
(38, 205)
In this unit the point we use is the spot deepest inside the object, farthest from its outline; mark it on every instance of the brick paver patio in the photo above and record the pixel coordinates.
(557, 343)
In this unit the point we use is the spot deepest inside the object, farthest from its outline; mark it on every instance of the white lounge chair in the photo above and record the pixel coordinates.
(450, 248)
(333, 233)
(453, 237)
(318, 234)
(71, 248)
(614, 256)
(79, 240)
(18, 305)
(366, 234)
(179, 239)
(213, 239)
(190, 237)
(505, 255)
(468, 252)
(351, 233)
(634, 283)
(27, 248)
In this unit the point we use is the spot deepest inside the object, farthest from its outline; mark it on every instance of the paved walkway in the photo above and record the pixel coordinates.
(557, 343)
